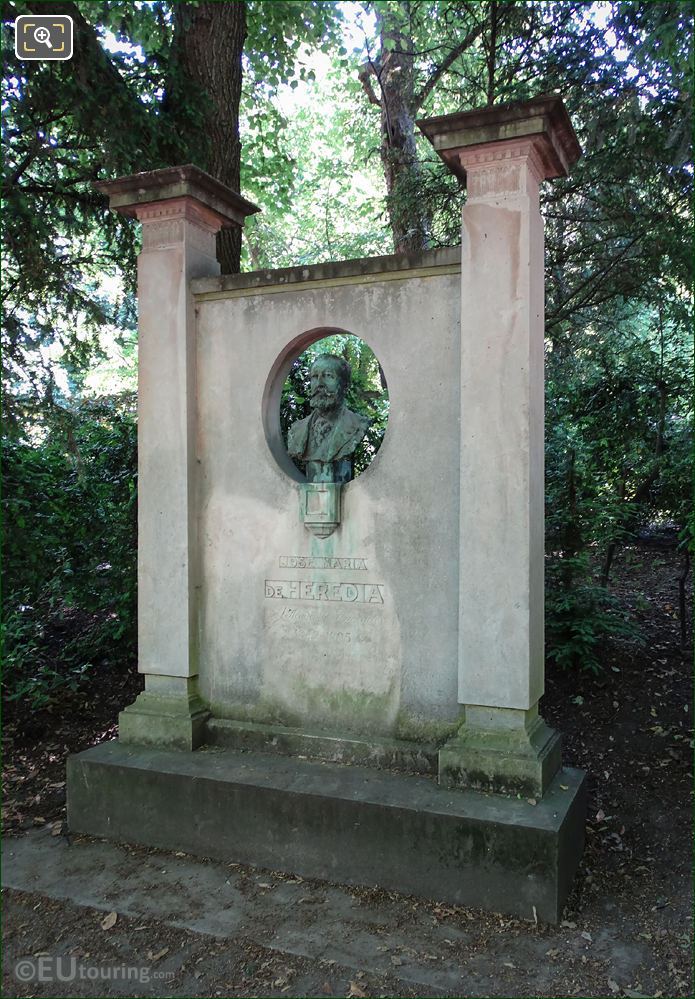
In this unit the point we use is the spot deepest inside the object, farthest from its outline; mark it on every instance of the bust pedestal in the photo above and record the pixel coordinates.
(320, 507)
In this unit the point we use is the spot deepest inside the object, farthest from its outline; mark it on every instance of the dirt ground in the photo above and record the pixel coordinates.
(628, 924)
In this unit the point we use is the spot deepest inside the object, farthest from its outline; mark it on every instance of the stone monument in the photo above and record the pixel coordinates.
(342, 675)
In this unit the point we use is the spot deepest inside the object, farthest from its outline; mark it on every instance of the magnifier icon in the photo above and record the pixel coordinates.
(43, 36)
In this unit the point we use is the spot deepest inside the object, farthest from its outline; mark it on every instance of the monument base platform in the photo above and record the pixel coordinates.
(351, 825)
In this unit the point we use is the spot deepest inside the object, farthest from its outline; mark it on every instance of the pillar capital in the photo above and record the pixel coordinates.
(506, 148)
(177, 192)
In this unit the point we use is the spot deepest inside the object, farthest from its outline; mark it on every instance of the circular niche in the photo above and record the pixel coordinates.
(287, 394)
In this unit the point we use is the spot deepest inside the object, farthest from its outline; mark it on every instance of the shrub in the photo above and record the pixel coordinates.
(70, 548)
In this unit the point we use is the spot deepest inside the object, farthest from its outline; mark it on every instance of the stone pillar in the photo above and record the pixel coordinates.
(181, 210)
(502, 154)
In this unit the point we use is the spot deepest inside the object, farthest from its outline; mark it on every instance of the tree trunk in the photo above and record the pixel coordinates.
(398, 150)
(571, 539)
(206, 69)
(401, 97)
(491, 54)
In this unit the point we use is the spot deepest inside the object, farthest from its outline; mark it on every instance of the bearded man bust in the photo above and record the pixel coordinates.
(326, 440)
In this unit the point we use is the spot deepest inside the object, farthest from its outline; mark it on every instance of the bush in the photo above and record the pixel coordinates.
(70, 548)
(581, 618)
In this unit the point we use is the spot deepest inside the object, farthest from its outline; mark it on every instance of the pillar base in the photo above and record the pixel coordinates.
(167, 722)
(502, 750)
(351, 825)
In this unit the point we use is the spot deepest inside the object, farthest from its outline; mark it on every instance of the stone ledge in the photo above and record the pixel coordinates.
(447, 256)
(345, 824)
(386, 754)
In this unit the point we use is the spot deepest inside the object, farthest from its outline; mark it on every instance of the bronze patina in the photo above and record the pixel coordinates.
(326, 440)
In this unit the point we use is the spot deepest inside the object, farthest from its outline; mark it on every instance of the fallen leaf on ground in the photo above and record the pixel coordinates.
(109, 921)
(158, 955)
(356, 992)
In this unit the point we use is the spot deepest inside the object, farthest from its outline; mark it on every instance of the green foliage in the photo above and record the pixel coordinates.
(367, 394)
(581, 616)
(619, 440)
(69, 514)
(109, 112)
(331, 207)
(65, 125)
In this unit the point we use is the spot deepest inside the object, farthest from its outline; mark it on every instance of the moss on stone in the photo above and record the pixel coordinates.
(424, 730)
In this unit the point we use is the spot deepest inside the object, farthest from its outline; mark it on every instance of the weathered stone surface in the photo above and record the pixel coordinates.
(506, 751)
(220, 203)
(181, 210)
(543, 120)
(346, 824)
(169, 722)
(503, 153)
(355, 632)
(385, 754)
(362, 270)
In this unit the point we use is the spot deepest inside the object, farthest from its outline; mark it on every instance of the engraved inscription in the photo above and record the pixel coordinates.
(299, 589)
(320, 562)
(354, 627)
(310, 617)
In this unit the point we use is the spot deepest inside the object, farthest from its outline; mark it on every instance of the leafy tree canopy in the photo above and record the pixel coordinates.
(132, 98)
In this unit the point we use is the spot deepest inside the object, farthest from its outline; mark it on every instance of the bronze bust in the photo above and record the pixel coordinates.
(326, 440)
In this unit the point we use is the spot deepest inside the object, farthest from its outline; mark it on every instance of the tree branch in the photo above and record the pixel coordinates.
(34, 150)
(94, 70)
(363, 75)
(444, 65)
